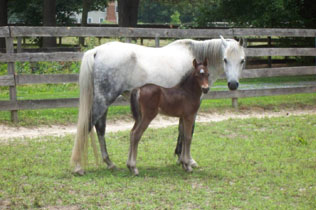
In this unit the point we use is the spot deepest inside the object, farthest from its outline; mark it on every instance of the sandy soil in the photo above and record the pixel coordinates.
(8, 132)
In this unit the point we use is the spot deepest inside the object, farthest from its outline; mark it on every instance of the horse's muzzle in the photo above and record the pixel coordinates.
(233, 85)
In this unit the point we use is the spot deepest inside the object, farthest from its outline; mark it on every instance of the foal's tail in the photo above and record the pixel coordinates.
(85, 106)
(135, 105)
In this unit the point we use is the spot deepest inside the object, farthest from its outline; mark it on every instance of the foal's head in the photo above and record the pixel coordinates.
(201, 75)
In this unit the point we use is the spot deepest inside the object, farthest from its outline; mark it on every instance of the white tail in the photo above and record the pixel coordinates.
(79, 152)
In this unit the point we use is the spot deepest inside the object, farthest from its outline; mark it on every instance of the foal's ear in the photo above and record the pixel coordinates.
(205, 62)
(194, 63)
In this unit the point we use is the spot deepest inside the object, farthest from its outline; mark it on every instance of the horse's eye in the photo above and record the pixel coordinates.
(242, 61)
(225, 60)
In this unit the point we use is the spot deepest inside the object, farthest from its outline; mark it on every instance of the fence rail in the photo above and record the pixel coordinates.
(13, 79)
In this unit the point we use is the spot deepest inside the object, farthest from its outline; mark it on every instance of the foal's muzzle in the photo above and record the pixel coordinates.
(205, 89)
(233, 85)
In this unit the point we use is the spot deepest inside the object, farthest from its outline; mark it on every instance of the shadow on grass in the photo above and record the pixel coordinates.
(169, 171)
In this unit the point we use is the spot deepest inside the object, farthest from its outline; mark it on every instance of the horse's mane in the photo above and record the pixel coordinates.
(210, 49)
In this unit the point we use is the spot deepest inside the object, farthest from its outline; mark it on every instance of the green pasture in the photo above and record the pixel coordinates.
(265, 163)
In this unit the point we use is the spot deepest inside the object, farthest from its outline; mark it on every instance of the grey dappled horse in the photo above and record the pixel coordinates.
(113, 68)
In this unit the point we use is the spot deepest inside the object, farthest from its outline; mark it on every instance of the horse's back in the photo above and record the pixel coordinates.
(136, 65)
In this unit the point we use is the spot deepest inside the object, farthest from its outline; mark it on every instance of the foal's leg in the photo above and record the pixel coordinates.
(185, 156)
(181, 139)
(100, 127)
(135, 136)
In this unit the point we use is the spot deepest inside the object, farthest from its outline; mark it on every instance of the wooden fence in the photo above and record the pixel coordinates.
(12, 79)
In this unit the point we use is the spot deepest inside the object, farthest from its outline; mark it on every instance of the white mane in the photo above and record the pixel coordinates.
(209, 49)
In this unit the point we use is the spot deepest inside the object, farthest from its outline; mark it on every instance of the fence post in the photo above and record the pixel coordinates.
(19, 45)
(60, 41)
(235, 103)
(157, 44)
(11, 71)
(269, 57)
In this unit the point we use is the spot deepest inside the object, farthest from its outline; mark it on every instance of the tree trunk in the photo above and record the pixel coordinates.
(128, 12)
(49, 19)
(3, 21)
(84, 17)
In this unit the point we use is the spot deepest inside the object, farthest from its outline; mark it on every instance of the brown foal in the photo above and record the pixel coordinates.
(181, 101)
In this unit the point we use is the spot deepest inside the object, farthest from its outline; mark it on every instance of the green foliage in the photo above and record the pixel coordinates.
(243, 164)
(265, 13)
(151, 11)
(175, 18)
(29, 12)
(47, 67)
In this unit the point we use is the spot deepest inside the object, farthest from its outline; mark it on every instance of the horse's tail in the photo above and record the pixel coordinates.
(79, 153)
(135, 104)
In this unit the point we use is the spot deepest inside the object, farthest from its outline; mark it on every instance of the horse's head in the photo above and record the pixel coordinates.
(233, 61)
(201, 75)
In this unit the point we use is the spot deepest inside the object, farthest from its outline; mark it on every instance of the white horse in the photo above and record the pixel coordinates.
(113, 68)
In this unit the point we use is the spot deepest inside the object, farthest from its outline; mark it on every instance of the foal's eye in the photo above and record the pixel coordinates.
(225, 60)
(242, 61)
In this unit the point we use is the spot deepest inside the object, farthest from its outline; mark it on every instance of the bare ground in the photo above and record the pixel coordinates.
(9, 132)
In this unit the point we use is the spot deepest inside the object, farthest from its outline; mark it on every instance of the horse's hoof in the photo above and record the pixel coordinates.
(193, 164)
(187, 167)
(112, 167)
(79, 172)
(178, 161)
(133, 170)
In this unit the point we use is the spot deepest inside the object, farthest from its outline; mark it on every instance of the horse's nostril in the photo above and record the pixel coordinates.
(233, 85)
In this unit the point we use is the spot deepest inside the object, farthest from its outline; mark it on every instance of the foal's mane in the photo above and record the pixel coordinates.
(187, 76)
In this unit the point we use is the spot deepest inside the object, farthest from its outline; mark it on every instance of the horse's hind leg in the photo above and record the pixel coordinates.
(100, 127)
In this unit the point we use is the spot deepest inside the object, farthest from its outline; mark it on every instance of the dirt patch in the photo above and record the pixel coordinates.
(9, 132)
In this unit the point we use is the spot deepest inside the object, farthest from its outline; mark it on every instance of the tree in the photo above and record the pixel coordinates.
(128, 12)
(3, 20)
(264, 13)
(49, 19)
(88, 5)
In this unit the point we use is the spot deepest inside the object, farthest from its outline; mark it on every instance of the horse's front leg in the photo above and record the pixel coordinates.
(185, 157)
(178, 149)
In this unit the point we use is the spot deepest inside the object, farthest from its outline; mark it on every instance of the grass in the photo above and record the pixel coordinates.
(244, 164)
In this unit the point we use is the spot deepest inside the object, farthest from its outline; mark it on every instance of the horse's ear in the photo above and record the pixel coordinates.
(194, 63)
(224, 42)
(241, 41)
(205, 62)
